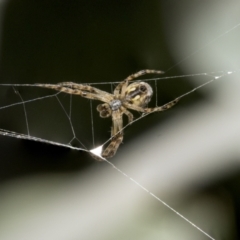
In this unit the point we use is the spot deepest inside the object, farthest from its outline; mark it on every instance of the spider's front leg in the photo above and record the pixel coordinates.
(112, 148)
(82, 90)
(117, 135)
(105, 110)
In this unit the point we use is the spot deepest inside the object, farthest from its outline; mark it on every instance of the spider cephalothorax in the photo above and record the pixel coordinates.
(134, 96)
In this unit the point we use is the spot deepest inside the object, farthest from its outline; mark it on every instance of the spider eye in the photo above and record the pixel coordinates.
(143, 88)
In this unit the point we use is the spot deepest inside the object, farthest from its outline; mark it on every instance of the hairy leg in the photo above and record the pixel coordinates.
(79, 89)
(117, 135)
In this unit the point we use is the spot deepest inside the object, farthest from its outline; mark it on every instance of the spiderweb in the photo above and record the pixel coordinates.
(214, 76)
(28, 99)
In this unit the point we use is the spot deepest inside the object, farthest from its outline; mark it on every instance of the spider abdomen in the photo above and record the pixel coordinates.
(139, 94)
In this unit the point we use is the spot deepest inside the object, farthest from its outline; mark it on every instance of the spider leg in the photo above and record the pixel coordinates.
(87, 88)
(79, 89)
(123, 85)
(155, 109)
(141, 73)
(117, 135)
(162, 108)
(129, 114)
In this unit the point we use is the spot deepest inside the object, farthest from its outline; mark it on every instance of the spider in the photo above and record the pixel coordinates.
(133, 96)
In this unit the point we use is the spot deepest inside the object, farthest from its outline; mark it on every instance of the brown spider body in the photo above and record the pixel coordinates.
(134, 96)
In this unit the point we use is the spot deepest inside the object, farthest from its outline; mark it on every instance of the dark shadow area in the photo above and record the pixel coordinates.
(24, 157)
(227, 190)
